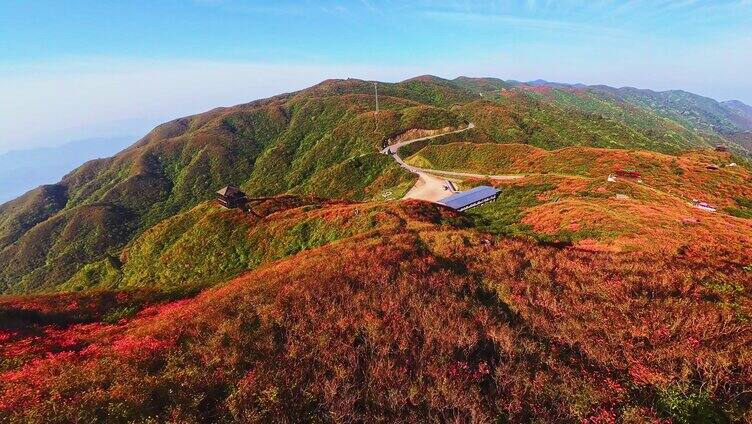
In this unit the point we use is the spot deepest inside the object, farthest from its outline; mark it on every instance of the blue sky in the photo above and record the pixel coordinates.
(78, 69)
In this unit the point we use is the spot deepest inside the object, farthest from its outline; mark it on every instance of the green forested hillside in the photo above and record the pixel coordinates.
(209, 244)
(322, 141)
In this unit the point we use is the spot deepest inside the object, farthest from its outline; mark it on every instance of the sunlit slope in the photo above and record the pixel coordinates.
(425, 317)
(321, 141)
(208, 244)
(666, 116)
(324, 141)
(686, 176)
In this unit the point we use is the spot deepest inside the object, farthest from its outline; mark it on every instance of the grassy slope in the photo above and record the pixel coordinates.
(690, 113)
(564, 303)
(697, 112)
(18, 216)
(208, 244)
(319, 141)
(357, 329)
(684, 176)
(557, 118)
(566, 199)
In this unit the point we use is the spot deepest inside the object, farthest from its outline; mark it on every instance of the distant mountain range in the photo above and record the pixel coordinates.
(22, 170)
(727, 117)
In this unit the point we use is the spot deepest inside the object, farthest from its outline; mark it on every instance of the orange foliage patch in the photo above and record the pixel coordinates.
(429, 320)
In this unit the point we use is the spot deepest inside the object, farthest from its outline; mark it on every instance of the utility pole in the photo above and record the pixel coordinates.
(376, 91)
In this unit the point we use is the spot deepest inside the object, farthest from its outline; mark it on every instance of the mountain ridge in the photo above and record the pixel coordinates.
(23, 170)
(323, 140)
(608, 282)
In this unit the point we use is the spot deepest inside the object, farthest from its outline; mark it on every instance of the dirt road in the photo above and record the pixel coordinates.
(430, 184)
(428, 187)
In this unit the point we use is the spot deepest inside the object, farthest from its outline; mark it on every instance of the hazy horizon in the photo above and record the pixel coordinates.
(83, 69)
(24, 170)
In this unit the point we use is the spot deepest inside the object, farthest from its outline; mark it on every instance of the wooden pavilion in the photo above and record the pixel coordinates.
(231, 197)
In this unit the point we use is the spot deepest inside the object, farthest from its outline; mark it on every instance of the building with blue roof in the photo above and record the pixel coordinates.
(470, 198)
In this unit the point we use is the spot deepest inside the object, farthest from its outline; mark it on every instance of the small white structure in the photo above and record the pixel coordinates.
(703, 206)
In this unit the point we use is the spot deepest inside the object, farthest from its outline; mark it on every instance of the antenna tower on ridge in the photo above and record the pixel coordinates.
(376, 92)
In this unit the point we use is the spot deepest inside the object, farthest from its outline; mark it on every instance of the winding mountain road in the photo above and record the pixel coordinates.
(431, 182)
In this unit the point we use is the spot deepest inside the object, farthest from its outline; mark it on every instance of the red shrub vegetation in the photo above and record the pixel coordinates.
(431, 322)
